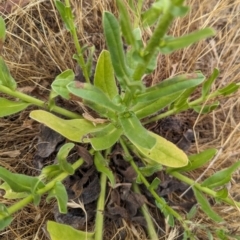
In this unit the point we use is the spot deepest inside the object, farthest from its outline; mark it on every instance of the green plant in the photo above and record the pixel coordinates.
(124, 108)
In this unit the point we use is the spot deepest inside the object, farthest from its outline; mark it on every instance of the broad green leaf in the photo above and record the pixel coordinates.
(150, 170)
(115, 45)
(143, 110)
(154, 184)
(20, 182)
(5, 77)
(8, 107)
(104, 75)
(93, 94)
(10, 194)
(205, 206)
(208, 83)
(198, 160)
(229, 89)
(221, 177)
(6, 219)
(62, 158)
(60, 83)
(170, 86)
(58, 231)
(74, 130)
(170, 45)
(102, 166)
(105, 138)
(135, 132)
(2, 32)
(59, 192)
(207, 108)
(165, 153)
(125, 23)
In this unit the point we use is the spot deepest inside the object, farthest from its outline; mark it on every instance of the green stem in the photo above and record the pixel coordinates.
(26, 98)
(22, 203)
(202, 189)
(175, 110)
(150, 226)
(129, 158)
(80, 58)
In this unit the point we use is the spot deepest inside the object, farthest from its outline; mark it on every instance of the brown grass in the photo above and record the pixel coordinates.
(38, 48)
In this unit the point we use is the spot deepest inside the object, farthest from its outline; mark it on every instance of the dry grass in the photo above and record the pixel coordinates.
(38, 48)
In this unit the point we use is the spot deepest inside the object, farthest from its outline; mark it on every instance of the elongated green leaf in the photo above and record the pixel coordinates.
(208, 83)
(150, 170)
(221, 177)
(170, 86)
(198, 160)
(20, 182)
(62, 158)
(5, 77)
(2, 32)
(60, 83)
(59, 192)
(8, 107)
(154, 184)
(93, 94)
(170, 45)
(207, 108)
(125, 23)
(165, 153)
(135, 132)
(143, 110)
(58, 231)
(49, 172)
(229, 89)
(105, 138)
(205, 206)
(102, 166)
(115, 45)
(104, 75)
(10, 194)
(74, 130)
(223, 193)
(6, 218)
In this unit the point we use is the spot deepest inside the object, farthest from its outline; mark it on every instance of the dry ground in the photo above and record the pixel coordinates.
(38, 48)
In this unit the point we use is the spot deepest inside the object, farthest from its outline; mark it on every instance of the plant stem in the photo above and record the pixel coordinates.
(26, 98)
(129, 158)
(206, 190)
(80, 58)
(150, 226)
(22, 203)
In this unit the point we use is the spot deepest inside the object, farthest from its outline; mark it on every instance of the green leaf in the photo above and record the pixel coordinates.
(115, 45)
(60, 83)
(59, 192)
(170, 45)
(205, 206)
(2, 32)
(170, 86)
(192, 213)
(143, 110)
(105, 138)
(20, 182)
(49, 172)
(221, 177)
(125, 23)
(154, 184)
(5, 77)
(73, 130)
(135, 132)
(207, 108)
(198, 160)
(93, 94)
(208, 83)
(8, 107)
(10, 194)
(164, 152)
(104, 75)
(62, 158)
(150, 170)
(89, 63)
(223, 193)
(58, 231)
(102, 166)
(7, 219)
(229, 89)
